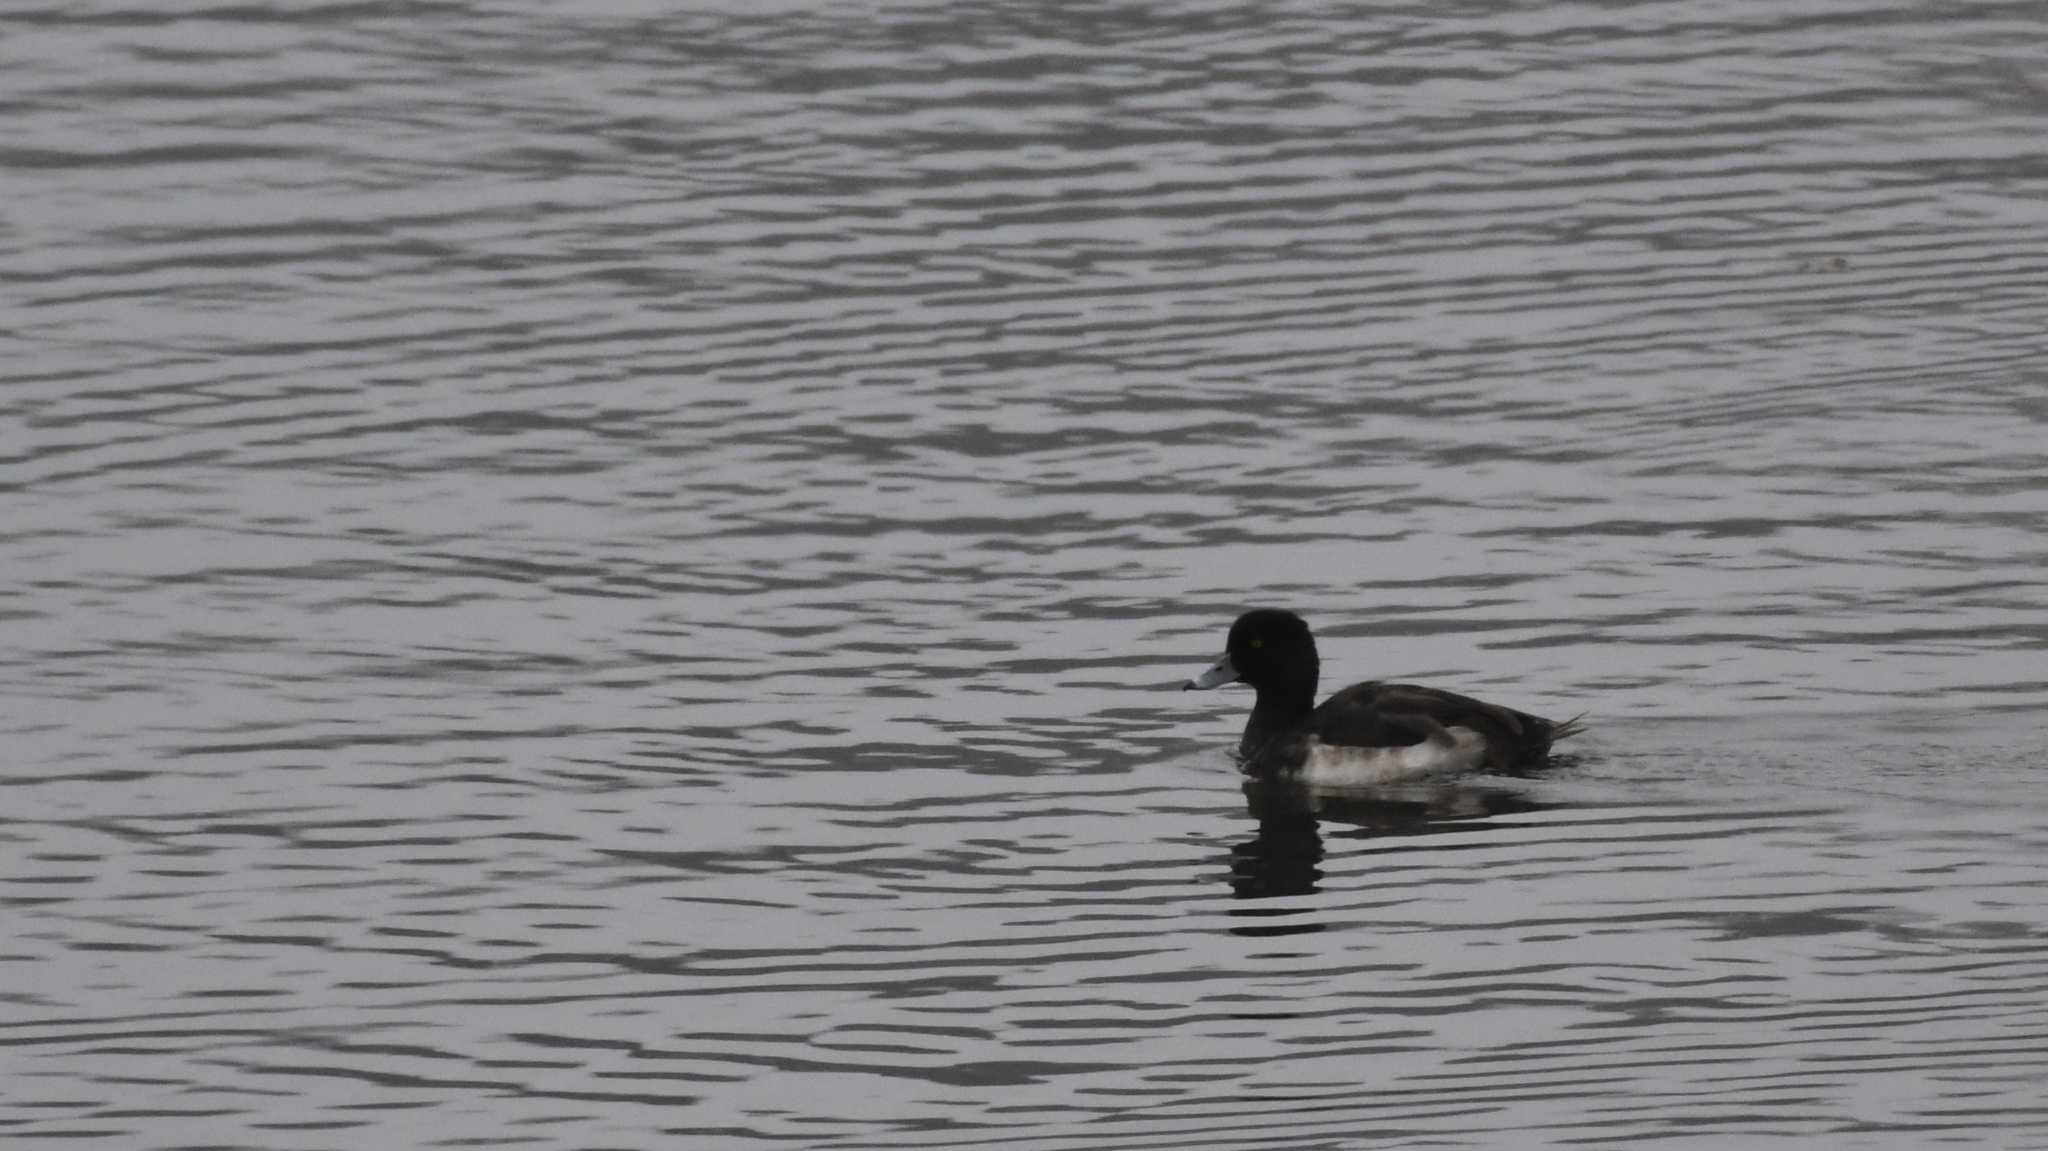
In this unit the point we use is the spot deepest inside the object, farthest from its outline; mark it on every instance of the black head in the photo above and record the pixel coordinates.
(1267, 648)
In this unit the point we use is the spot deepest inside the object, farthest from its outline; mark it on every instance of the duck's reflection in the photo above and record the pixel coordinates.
(1282, 859)
(1285, 856)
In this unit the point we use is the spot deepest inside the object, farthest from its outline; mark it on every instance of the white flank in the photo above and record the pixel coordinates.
(1336, 765)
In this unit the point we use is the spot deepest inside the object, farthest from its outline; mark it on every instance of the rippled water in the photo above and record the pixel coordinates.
(602, 576)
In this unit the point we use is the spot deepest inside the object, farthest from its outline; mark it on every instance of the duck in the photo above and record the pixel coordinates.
(1369, 733)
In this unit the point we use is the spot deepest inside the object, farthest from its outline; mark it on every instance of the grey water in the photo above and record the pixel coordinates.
(614, 575)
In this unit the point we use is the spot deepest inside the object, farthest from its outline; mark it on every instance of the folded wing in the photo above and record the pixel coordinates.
(1402, 715)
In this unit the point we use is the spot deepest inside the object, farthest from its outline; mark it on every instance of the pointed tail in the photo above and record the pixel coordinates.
(1568, 728)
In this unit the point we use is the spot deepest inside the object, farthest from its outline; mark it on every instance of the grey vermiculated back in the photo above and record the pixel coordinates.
(587, 575)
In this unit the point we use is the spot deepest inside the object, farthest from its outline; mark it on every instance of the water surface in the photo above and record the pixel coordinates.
(617, 578)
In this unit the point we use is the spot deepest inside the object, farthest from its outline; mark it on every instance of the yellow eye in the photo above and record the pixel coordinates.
(1258, 643)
